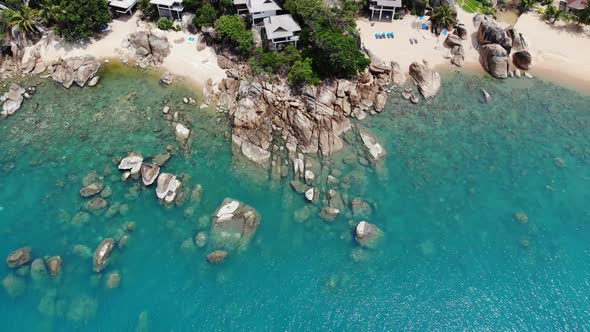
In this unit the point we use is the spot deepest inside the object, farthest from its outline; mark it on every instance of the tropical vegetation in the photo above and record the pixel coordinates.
(233, 32)
(443, 17)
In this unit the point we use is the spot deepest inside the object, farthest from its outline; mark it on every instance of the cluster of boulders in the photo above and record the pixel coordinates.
(497, 44)
(81, 70)
(308, 121)
(134, 167)
(455, 42)
(22, 262)
(148, 47)
(13, 99)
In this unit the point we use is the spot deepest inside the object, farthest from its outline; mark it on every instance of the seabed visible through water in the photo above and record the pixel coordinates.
(454, 255)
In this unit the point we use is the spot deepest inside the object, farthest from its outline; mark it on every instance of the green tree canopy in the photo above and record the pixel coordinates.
(302, 73)
(206, 16)
(443, 17)
(80, 19)
(233, 31)
(24, 18)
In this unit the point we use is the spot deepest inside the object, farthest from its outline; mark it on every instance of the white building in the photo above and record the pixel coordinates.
(259, 9)
(281, 29)
(123, 6)
(169, 8)
(381, 6)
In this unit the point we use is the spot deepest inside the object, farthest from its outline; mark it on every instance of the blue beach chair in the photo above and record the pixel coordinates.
(383, 35)
(377, 36)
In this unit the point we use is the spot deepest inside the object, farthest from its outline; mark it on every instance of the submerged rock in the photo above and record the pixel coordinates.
(217, 256)
(367, 235)
(82, 309)
(14, 286)
(167, 78)
(38, 270)
(114, 280)
(54, 263)
(96, 204)
(102, 253)
(91, 190)
(234, 225)
(201, 239)
(19, 257)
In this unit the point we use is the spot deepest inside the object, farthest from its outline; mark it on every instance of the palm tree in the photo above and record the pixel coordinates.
(48, 11)
(583, 16)
(443, 17)
(25, 18)
(526, 5)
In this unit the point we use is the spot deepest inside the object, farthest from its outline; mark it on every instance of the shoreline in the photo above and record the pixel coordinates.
(194, 67)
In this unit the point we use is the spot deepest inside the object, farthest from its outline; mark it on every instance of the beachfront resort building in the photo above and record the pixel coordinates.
(574, 4)
(281, 29)
(169, 8)
(259, 9)
(386, 7)
(124, 7)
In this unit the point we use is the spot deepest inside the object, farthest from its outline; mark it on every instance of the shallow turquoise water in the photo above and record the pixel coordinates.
(453, 256)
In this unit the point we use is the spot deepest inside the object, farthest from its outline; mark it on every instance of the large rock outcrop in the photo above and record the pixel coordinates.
(494, 59)
(150, 47)
(13, 100)
(309, 121)
(521, 57)
(76, 69)
(429, 81)
(234, 225)
(489, 32)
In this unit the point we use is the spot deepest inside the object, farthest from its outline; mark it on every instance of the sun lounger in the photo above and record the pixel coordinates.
(191, 39)
(377, 36)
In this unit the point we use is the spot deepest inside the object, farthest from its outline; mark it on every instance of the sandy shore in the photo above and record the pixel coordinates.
(184, 59)
(399, 49)
(560, 51)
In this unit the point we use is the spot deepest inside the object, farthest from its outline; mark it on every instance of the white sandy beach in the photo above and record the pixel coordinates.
(184, 59)
(560, 51)
(399, 49)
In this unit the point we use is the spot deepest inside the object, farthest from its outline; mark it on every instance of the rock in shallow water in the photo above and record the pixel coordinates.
(91, 190)
(19, 257)
(234, 225)
(367, 234)
(54, 263)
(102, 253)
(167, 187)
(149, 173)
(217, 256)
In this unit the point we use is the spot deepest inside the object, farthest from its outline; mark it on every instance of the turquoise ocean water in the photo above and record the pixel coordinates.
(454, 257)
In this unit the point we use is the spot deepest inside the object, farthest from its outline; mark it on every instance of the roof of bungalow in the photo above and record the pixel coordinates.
(259, 6)
(281, 26)
(577, 4)
(167, 3)
(123, 4)
(387, 3)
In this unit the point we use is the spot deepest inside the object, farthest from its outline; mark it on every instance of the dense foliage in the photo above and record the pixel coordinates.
(149, 11)
(206, 16)
(233, 32)
(302, 73)
(329, 37)
(274, 62)
(80, 19)
(443, 17)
